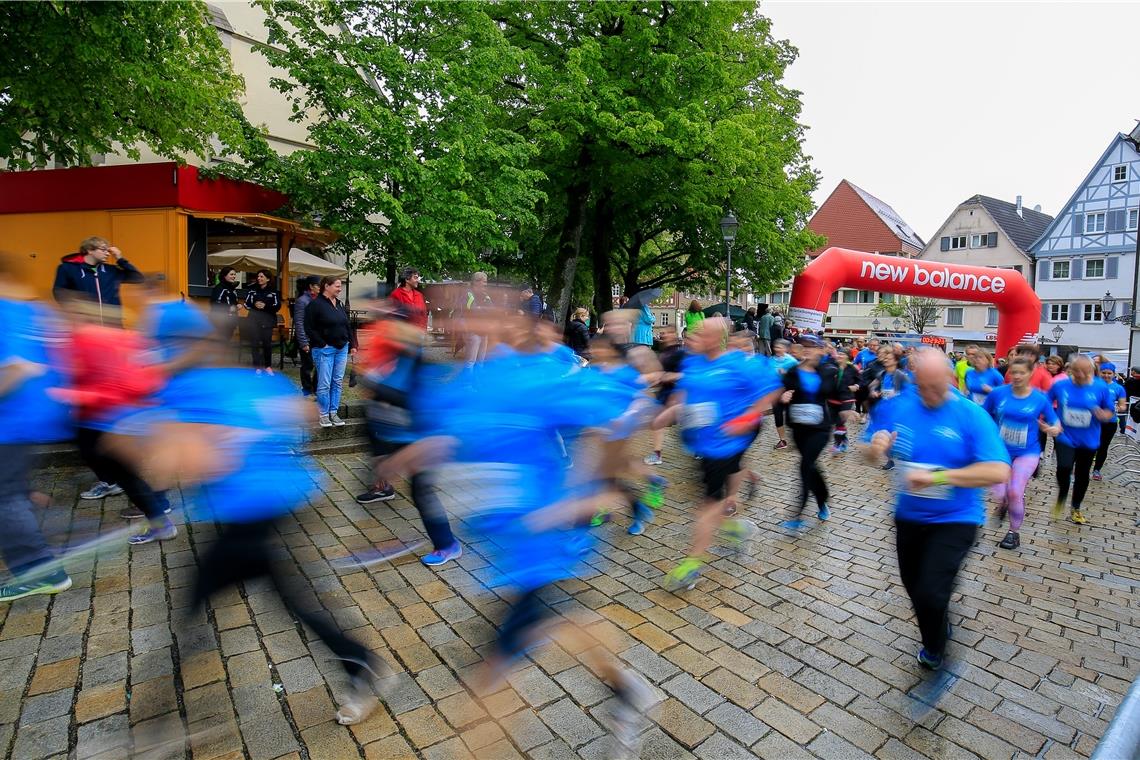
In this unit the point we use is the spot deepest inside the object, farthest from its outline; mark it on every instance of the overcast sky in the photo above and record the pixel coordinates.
(925, 104)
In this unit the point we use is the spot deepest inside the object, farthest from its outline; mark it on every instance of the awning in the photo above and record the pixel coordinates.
(252, 259)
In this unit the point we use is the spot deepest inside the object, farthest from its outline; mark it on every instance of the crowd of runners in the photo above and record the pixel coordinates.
(554, 442)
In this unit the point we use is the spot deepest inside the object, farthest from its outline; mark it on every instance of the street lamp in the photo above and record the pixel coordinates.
(875, 325)
(1058, 331)
(728, 226)
(897, 324)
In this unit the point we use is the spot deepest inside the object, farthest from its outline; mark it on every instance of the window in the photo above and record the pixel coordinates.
(982, 240)
(851, 296)
(1094, 269)
(1058, 312)
(1060, 270)
(1017, 268)
(1092, 313)
(615, 291)
(866, 296)
(957, 243)
(991, 317)
(781, 297)
(886, 298)
(1120, 173)
(1094, 222)
(834, 297)
(954, 316)
(1133, 214)
(664, 321)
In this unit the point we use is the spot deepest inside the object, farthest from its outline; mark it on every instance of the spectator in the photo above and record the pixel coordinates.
(311, 288)
(530, 303)
(408, 297)
(764, 331)
(578, 333)
(224, 302)
(331, 340)
(693, 317)
(643, 331)
(478, 299)
(263, 302)
(96, 271)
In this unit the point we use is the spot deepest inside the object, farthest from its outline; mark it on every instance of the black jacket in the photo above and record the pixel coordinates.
(101, 282)
(827, 390)
(851, 376)
(578, 336)
(326, 324)
(224, 297)
(267, 295)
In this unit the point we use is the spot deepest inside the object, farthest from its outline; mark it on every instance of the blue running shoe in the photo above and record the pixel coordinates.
(793, 526)
(929, 661)
(443, 556)
(824, 512)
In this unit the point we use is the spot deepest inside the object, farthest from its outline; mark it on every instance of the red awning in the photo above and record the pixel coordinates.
(161, 185)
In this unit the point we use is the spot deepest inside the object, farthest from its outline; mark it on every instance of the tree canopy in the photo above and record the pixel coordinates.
(77, 78)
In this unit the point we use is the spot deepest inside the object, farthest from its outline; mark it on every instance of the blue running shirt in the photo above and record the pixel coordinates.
(717, 391)
(33, 334)
(1075, 405)
(975, 380)
(1017, 418)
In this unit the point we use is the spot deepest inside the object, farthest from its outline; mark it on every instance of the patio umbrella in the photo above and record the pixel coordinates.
(642, 298)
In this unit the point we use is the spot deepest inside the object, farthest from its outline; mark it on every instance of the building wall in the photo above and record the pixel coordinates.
(847, 222)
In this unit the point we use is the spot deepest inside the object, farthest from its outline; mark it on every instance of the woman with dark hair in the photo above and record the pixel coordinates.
(224, 302)
(263, 303)
(410, 299)
(693, 317)
(331, 340)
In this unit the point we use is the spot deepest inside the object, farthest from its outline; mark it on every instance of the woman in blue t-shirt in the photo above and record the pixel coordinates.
(982, 378)
(1083, 402)
(1018, 409)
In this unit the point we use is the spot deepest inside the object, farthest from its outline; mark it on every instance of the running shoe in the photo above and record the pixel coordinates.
(601, 518)
(641, 515)
(655, 494)
(163, 532)
(824, 512)
(890, 465)
(374, 495)
(793, 526)
(685, 575)
(324, 421)
(782, 444)
(335, 419)
(1096, 475)
(101, 490)
(1058, 509)
(737, 533)
(131, 512)
(633, 700)
(443, 556)
(836, 450)
(653, 458)
(1077, 517)
(843, 447)
(1011, 541)
(929, 661)
(364, 690)
(10, 592)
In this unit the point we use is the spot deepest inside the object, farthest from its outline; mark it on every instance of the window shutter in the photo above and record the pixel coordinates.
(1078, 224)
(992, 243)
(945, 243)
(1116, 221)
(1044, 312)
(1044, 270)
(1075, 312)
(1076, 269)
(1111, 268)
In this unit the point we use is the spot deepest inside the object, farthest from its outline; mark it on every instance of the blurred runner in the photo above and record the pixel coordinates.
(1083, 403)
(1108, 427)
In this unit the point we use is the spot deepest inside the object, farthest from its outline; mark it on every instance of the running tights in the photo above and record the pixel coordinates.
(1075, 463)
(811, 442)
(1107, 431)
(1013, 492)
(930, 555)
(431, 511)
(111, 470)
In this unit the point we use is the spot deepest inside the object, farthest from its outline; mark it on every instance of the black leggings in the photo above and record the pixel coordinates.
(1075, 463)
(930, 556)
(811, 442)
(261, 340)
(1107, 431)
(109, 469)
(778, 411)
(243, 552)
(431, 511)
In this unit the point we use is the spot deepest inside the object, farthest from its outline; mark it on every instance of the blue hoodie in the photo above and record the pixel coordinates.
(101, 282)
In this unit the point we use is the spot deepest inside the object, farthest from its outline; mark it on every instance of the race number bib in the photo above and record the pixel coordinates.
(1014, 435)
(699, 415)
(979, 398)
(942, 493)
(888, 393)
(1076, 418)
(805, 414)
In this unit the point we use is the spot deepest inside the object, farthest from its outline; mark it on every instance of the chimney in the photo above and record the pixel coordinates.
(1019, 206)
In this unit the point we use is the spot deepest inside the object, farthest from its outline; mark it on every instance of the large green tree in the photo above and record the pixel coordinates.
(77, 78)
(405, 103)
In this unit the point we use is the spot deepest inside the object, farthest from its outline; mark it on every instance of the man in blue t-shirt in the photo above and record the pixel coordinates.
(1119, 399)
(1083, 403)
(946, 449)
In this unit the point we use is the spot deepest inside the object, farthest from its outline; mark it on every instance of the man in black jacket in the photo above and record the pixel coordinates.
(96, 271)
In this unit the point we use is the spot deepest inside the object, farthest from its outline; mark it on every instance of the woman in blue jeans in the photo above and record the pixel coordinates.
(331, 340)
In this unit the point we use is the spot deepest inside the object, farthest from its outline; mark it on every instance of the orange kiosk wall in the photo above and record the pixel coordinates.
(1019, 309)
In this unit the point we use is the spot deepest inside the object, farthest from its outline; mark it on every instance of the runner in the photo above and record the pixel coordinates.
(948, 449)
(718, 403)
(886, 380)
(671, 356)
(1108, 427)
(848, 384)
(782, 362)
(809, 391)
(1019, 410)
(1082, 399)
(981, 378)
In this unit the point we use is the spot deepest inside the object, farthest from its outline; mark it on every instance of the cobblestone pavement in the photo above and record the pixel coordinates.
(805, 648)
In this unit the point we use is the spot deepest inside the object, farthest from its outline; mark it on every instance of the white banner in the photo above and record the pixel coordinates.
(808, 319)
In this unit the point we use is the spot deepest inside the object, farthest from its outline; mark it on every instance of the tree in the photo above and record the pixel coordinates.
(916, 312)
(405, 104)
(78, 78)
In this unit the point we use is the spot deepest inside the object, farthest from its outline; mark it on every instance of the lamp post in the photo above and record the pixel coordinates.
(897, 324)
(875, 325)
(1058, 331)
(728, 226)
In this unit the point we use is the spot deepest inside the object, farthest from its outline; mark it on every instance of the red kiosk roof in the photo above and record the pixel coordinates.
(161, 185)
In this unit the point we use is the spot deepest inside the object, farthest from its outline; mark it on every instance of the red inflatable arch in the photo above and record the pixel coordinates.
(1019, 309)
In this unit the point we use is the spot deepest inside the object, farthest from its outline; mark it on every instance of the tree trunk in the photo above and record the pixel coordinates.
(569, 247)
(600, 248)
(390, 273)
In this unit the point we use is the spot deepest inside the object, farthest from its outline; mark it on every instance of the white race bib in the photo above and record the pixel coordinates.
(942, 493)
(699, 415)
(887, 393)
(1076, 418)
(979, 398)
(805, 414)
(1014, 435)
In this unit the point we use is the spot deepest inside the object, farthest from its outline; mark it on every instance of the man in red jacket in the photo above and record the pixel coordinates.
(408, 297)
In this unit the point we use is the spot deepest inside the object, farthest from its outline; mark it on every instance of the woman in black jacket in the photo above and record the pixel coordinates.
(809, 390)
(224, 302)
(847, 384)
(578, 333)
(331, 340)
(263, 303)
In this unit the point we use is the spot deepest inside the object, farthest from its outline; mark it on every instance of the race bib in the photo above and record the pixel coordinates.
(805, 414)
(979, 398)
(1014, 435)
(942, 493)
(699, 415)
(888, 393)
(1076, 418)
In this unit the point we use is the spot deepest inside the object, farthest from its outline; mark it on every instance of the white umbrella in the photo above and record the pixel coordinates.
(252, 259)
